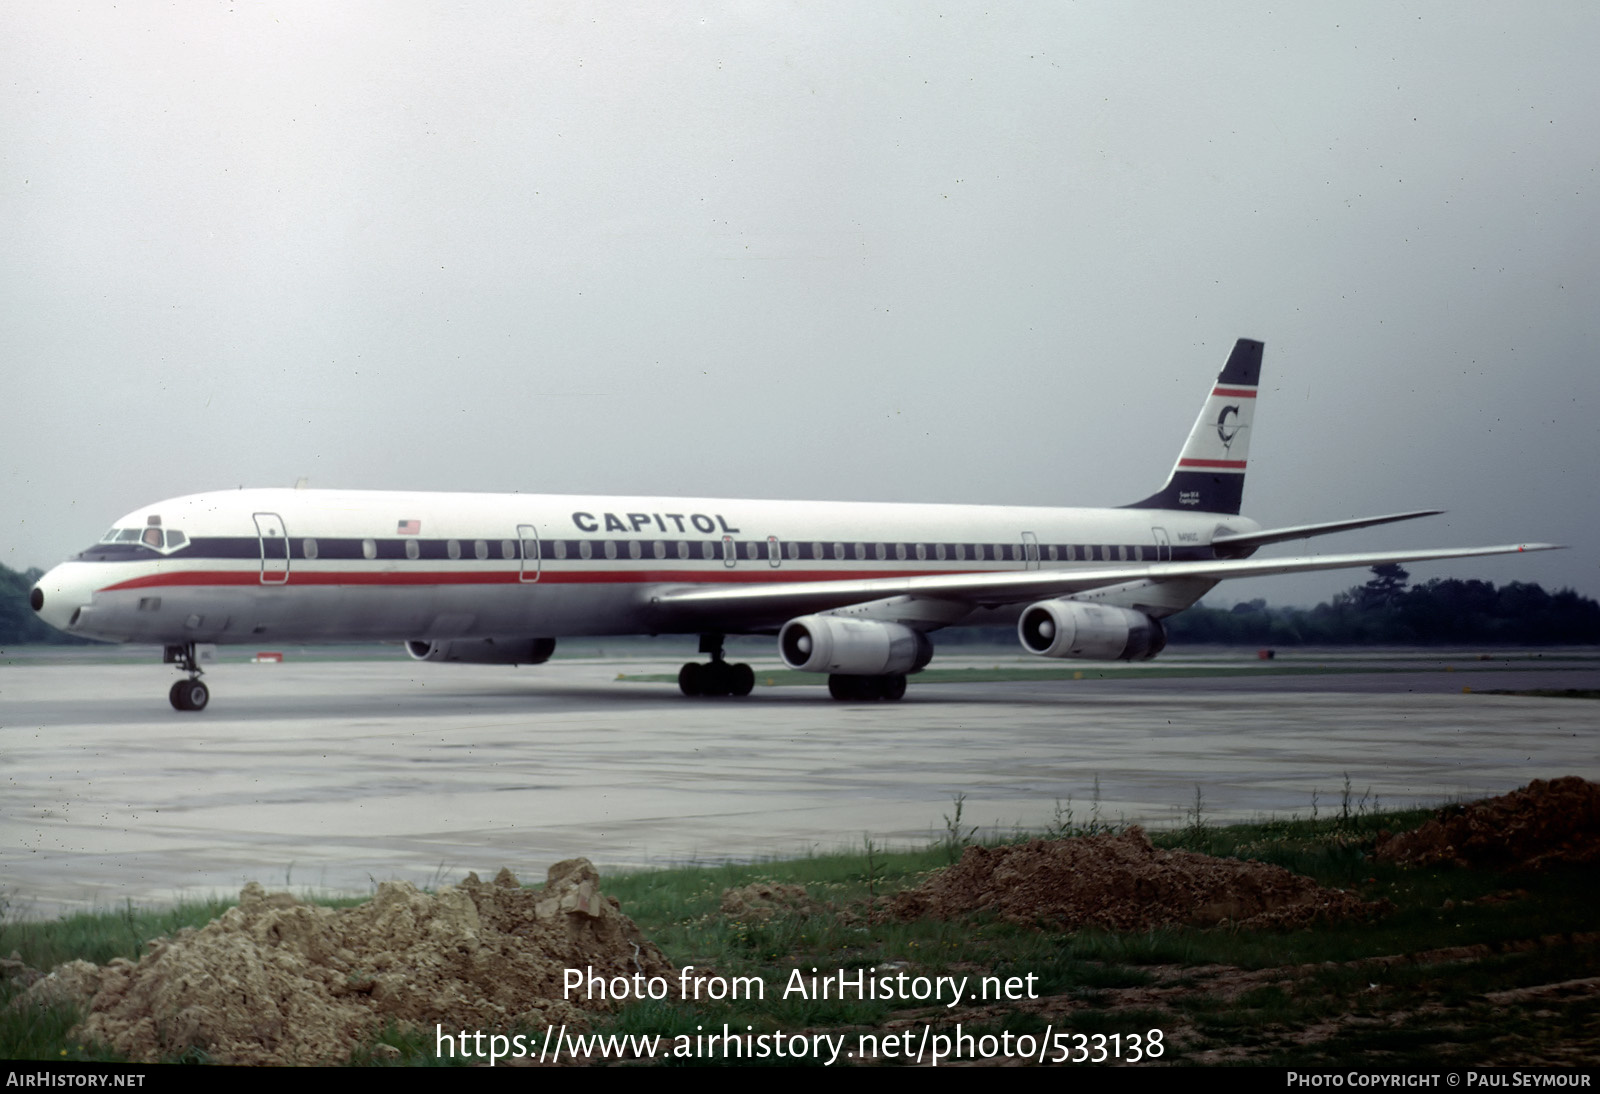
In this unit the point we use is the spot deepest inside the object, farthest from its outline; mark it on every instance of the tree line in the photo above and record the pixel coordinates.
(1385, 611)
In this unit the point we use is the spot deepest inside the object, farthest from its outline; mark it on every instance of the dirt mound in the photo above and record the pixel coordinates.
(1121, 882)
(1544, 822)
(277, 981)
(759, 902)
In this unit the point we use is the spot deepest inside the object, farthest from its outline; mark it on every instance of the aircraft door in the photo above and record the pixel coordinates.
(1030, 550)
(774, 552)
(1163, 545)
(730, 552)
(528, 537)
(274, 548)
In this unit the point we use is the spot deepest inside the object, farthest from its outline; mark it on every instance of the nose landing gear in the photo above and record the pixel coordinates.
(188, 694)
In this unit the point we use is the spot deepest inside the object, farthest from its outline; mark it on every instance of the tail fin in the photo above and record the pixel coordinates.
(1209, 474)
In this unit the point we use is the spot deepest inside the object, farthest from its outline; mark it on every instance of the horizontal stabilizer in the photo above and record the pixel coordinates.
(1240, 542)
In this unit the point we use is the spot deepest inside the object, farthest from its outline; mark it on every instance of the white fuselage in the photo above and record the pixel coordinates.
(320, 565)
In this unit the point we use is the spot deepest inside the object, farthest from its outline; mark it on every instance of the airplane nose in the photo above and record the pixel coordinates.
(59, 597)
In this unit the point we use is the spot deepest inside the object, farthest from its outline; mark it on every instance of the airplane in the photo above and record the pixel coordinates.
(851, 590)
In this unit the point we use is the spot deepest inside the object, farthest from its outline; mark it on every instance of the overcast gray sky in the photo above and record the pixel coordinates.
(898, 252)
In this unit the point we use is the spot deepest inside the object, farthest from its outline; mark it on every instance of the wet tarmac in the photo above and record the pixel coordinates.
(332, 776)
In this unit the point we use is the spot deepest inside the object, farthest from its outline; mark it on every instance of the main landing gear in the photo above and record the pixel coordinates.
(891, 686)
(715, 677)
(188, 694)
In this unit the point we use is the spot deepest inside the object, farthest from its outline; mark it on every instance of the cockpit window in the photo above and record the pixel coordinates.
(157, 539)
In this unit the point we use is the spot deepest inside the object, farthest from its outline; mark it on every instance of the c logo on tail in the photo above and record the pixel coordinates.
(1226, 432)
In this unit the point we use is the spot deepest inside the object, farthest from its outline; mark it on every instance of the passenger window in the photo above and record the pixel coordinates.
(752, 550)
(922, 552)
(611, 548)
(585, 549)
(683, 548)
(369, 548)
(659, 549)
(900, 552)
(1122, 553)
(412, 551)
(453, 548)
(481, 548)
(508, 548)
(1052, 552)
(1138, 553)
(861, 552)
(708, 549)
(961, 552)
(633, 548)
(838, 552)
(794, 551)
(977, 551)
(938, 551)
(561, 548)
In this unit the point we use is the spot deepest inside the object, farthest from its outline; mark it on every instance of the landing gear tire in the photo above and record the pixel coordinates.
(715, 678)
(189, 695)
(890, 687)
(689, 678)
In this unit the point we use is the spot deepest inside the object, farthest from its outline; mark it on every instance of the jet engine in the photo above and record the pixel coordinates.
(1096, 632)
(485, 651)
(852, 647)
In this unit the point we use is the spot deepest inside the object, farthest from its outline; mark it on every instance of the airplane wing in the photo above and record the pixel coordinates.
(766, 607)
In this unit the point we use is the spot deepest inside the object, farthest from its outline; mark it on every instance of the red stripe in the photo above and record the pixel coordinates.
(1235, 392)
(194, 578)
(1231, 465)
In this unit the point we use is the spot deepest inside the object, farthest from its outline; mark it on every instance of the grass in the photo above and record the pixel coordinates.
(1415, 988)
